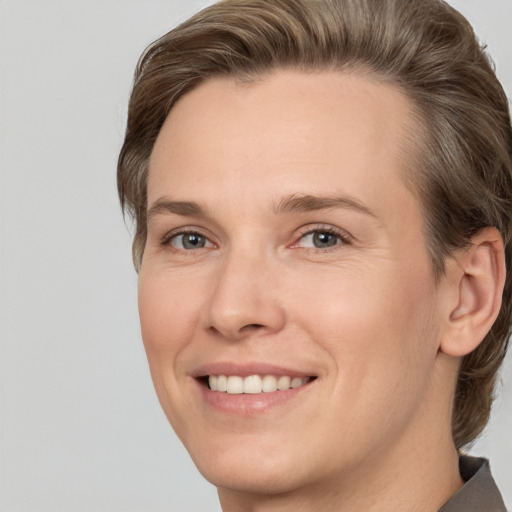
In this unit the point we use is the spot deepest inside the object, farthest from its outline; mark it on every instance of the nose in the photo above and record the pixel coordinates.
(246, 300)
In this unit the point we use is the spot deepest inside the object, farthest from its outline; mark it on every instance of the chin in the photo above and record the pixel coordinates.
(250, 468)
(268, 480)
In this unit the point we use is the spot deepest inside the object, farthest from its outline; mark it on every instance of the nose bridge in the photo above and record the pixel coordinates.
(245, 299)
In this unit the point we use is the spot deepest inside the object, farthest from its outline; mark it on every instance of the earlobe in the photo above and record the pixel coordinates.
(478, 278)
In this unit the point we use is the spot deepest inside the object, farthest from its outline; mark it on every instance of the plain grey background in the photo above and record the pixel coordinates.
(80, 426)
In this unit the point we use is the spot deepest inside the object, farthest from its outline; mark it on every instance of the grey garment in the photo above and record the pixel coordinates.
(479, 493)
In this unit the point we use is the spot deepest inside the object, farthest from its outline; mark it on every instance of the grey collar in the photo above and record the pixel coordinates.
(479, 493)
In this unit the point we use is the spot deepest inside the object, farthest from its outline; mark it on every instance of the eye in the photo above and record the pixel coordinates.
(322, 239)
(188, 241)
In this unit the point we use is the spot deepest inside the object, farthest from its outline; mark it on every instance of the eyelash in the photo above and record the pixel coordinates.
(167, 238)
(343, 237)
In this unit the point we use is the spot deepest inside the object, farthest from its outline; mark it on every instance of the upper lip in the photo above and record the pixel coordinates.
(245, 369)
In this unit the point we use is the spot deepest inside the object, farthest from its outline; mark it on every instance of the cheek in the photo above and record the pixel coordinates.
(378, 329)
(168, 317)
(363, 305)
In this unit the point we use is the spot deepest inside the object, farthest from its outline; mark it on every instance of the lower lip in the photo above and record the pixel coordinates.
(246, 404)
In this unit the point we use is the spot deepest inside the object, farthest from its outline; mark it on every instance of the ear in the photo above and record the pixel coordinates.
(476, 277)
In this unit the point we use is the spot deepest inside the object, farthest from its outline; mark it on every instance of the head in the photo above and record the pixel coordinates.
(457, 143)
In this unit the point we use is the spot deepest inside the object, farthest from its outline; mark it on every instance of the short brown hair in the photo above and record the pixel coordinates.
(463, 171)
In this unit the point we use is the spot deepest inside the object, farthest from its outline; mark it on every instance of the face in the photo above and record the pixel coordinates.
(284, 251)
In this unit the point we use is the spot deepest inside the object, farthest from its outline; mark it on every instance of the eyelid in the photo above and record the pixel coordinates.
(345, 237)
(185, 230)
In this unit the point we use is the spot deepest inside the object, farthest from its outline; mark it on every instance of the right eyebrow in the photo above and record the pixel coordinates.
(183, 208)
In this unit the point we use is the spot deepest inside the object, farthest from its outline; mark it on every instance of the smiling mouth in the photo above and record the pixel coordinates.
(254, 384)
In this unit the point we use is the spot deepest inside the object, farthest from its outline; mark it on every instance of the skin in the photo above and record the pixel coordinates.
(364, 316)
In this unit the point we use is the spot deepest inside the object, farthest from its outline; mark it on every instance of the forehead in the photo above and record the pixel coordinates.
(285, 131)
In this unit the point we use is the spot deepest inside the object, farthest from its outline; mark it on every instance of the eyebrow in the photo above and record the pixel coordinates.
(306, 203)
(295, 203)
(183, 208)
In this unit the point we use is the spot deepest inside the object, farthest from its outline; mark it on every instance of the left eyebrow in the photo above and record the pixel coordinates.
(306, 203)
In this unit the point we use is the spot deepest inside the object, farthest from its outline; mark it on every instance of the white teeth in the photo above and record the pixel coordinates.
(269, 384)
(254, 384)
(222, 383)
(296, 382)
(235, 385)
(283, 383)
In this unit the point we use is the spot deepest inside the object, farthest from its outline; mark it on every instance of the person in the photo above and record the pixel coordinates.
(322, 192)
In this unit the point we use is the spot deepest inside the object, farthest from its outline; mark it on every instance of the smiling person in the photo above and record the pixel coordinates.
(322, 192)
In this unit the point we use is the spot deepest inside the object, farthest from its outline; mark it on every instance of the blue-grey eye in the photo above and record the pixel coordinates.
(320, 239)
(189, 241)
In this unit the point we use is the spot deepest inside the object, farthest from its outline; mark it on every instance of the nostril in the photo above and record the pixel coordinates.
(234, 328)
(252, 327)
